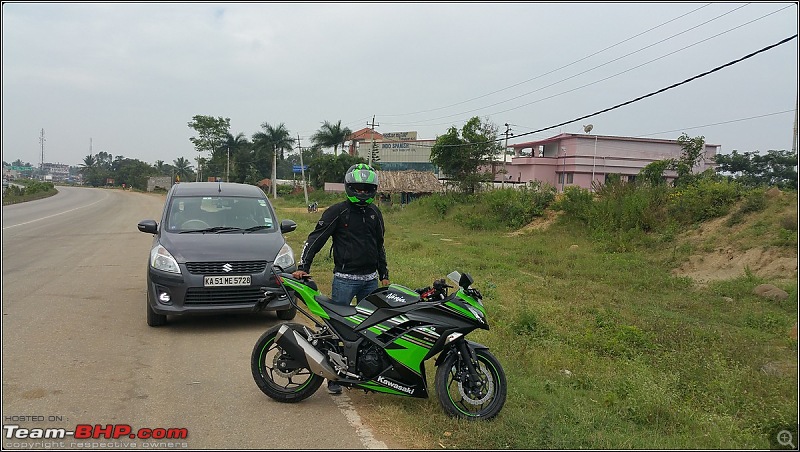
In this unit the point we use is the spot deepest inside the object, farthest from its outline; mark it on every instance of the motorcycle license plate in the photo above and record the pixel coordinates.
(222, 281)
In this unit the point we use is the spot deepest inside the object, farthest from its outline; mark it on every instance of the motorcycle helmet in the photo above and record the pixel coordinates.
(361, 184)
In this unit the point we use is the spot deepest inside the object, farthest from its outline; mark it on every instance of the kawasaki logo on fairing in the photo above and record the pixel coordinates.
(394, 385)
(396, 298)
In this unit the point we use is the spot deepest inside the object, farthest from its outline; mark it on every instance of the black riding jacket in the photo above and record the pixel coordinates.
(357, 233)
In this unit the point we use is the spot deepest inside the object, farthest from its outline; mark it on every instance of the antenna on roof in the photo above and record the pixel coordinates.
(587, 128)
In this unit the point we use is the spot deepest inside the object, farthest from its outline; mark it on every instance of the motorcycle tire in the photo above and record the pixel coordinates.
(283, 385)
(458, 401)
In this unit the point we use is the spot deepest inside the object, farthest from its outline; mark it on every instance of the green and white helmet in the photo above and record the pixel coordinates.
(361, 184)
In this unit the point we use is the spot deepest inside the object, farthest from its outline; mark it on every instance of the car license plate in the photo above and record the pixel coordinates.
(219, 281)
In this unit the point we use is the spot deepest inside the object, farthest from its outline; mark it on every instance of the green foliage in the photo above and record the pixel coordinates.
(653, 173)
(331, 135)
(704, 199)
(693, 150)
(776, 168)
(515, 208)
(31, 191)
(460, 155)
(329, 168)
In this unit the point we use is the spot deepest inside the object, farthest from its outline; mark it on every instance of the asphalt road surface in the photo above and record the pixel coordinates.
(77, 350)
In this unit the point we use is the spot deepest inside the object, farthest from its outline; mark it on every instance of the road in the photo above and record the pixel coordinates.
(77, 350)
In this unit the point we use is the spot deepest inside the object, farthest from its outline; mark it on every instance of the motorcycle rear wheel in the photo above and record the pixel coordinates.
(280, 383)
(452, 388)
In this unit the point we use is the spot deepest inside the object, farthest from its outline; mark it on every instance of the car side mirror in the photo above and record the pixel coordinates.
(148, 226)
(287, 226)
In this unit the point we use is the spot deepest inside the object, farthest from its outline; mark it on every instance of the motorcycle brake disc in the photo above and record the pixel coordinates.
(487, 391)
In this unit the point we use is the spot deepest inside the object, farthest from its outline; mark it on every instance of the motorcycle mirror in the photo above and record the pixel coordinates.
(466, 280)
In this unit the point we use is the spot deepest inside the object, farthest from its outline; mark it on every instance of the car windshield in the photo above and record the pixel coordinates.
(220, 214)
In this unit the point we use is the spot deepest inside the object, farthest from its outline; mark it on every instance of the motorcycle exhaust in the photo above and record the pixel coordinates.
(301, 350)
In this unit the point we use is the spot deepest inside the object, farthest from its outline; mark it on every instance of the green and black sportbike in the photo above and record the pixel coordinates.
(381, 345)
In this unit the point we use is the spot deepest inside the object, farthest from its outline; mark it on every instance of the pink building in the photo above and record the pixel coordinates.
(577, 159)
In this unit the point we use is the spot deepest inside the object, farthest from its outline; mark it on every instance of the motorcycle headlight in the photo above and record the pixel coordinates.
(160, 259)
(285, 258)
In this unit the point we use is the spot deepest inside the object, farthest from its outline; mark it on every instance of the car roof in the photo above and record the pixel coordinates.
(216, 189)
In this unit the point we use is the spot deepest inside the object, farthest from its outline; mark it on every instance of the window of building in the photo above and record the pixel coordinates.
(569, 178)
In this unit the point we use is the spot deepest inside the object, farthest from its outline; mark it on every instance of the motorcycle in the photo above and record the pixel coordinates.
(381, 345)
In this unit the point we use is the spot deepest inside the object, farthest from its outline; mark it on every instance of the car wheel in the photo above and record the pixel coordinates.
(154, 318)
(286, 314)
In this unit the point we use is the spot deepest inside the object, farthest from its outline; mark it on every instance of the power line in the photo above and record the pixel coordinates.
(589, 70)
(714, 124)
(718, 68)
(562, 67)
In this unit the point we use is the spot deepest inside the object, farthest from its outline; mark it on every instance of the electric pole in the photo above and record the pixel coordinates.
(372, 147)
(505, 150)
(302, 170)
(41, 164)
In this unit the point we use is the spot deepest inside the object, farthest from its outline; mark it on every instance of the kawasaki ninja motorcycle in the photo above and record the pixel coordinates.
(381, 344)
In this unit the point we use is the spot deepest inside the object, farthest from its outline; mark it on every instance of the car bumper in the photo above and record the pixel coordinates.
(171, 294)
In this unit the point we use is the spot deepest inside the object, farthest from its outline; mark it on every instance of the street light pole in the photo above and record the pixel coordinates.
(228, 171)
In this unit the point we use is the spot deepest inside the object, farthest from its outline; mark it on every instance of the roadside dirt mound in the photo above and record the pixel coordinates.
(726, 263)
(538, 224)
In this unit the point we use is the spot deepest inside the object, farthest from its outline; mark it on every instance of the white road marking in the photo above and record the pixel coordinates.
(363, 432)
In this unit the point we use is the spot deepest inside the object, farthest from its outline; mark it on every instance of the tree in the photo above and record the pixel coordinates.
(183, 169)
(331, 135)
(90, 171)
(776, 168)
(274, 139)
(460, 156)
(211, 132)
(329, 168)
(693, 150)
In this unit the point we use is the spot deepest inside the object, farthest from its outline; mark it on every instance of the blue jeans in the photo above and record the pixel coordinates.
(343, 290)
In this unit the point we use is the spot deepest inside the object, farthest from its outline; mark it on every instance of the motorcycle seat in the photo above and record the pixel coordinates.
(344, 311)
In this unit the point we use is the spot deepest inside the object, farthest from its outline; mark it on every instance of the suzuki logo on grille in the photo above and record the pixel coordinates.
(227, 268)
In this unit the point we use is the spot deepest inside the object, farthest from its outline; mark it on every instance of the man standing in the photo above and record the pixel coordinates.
(356, 225)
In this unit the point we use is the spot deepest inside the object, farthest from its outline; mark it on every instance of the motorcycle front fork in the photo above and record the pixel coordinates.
(468, 371)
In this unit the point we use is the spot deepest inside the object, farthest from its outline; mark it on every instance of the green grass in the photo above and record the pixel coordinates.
(653, 360)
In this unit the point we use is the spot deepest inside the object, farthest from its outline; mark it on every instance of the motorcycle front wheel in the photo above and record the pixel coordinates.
(459, 398)
(276, 374)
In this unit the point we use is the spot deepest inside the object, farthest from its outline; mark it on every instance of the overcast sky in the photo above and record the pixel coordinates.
(127, 78)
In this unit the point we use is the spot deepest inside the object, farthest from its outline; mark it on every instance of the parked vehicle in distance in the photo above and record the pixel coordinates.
(213, 252)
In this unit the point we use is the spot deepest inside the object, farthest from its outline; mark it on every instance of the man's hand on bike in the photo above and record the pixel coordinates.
(299, 274)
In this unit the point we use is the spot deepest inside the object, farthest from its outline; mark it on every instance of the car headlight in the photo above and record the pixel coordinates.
(160, 259)
(285, 257)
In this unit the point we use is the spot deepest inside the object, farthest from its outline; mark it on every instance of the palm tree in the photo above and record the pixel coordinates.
(272, 140)
(183, 168)
(89, 169)
(237, 148)
(331, 135)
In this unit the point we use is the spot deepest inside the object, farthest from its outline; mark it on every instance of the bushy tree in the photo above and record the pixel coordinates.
(776, 168)
(461, 154)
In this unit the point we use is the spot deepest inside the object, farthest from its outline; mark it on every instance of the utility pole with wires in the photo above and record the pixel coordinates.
(505, 154)
(41, 164)
(372, 146)
(302, 169)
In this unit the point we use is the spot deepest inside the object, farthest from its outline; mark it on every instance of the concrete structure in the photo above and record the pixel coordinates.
(163, 182)
(578, 159)
(58, 172)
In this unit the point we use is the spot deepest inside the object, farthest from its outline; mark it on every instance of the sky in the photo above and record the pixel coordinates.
(127, 78)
